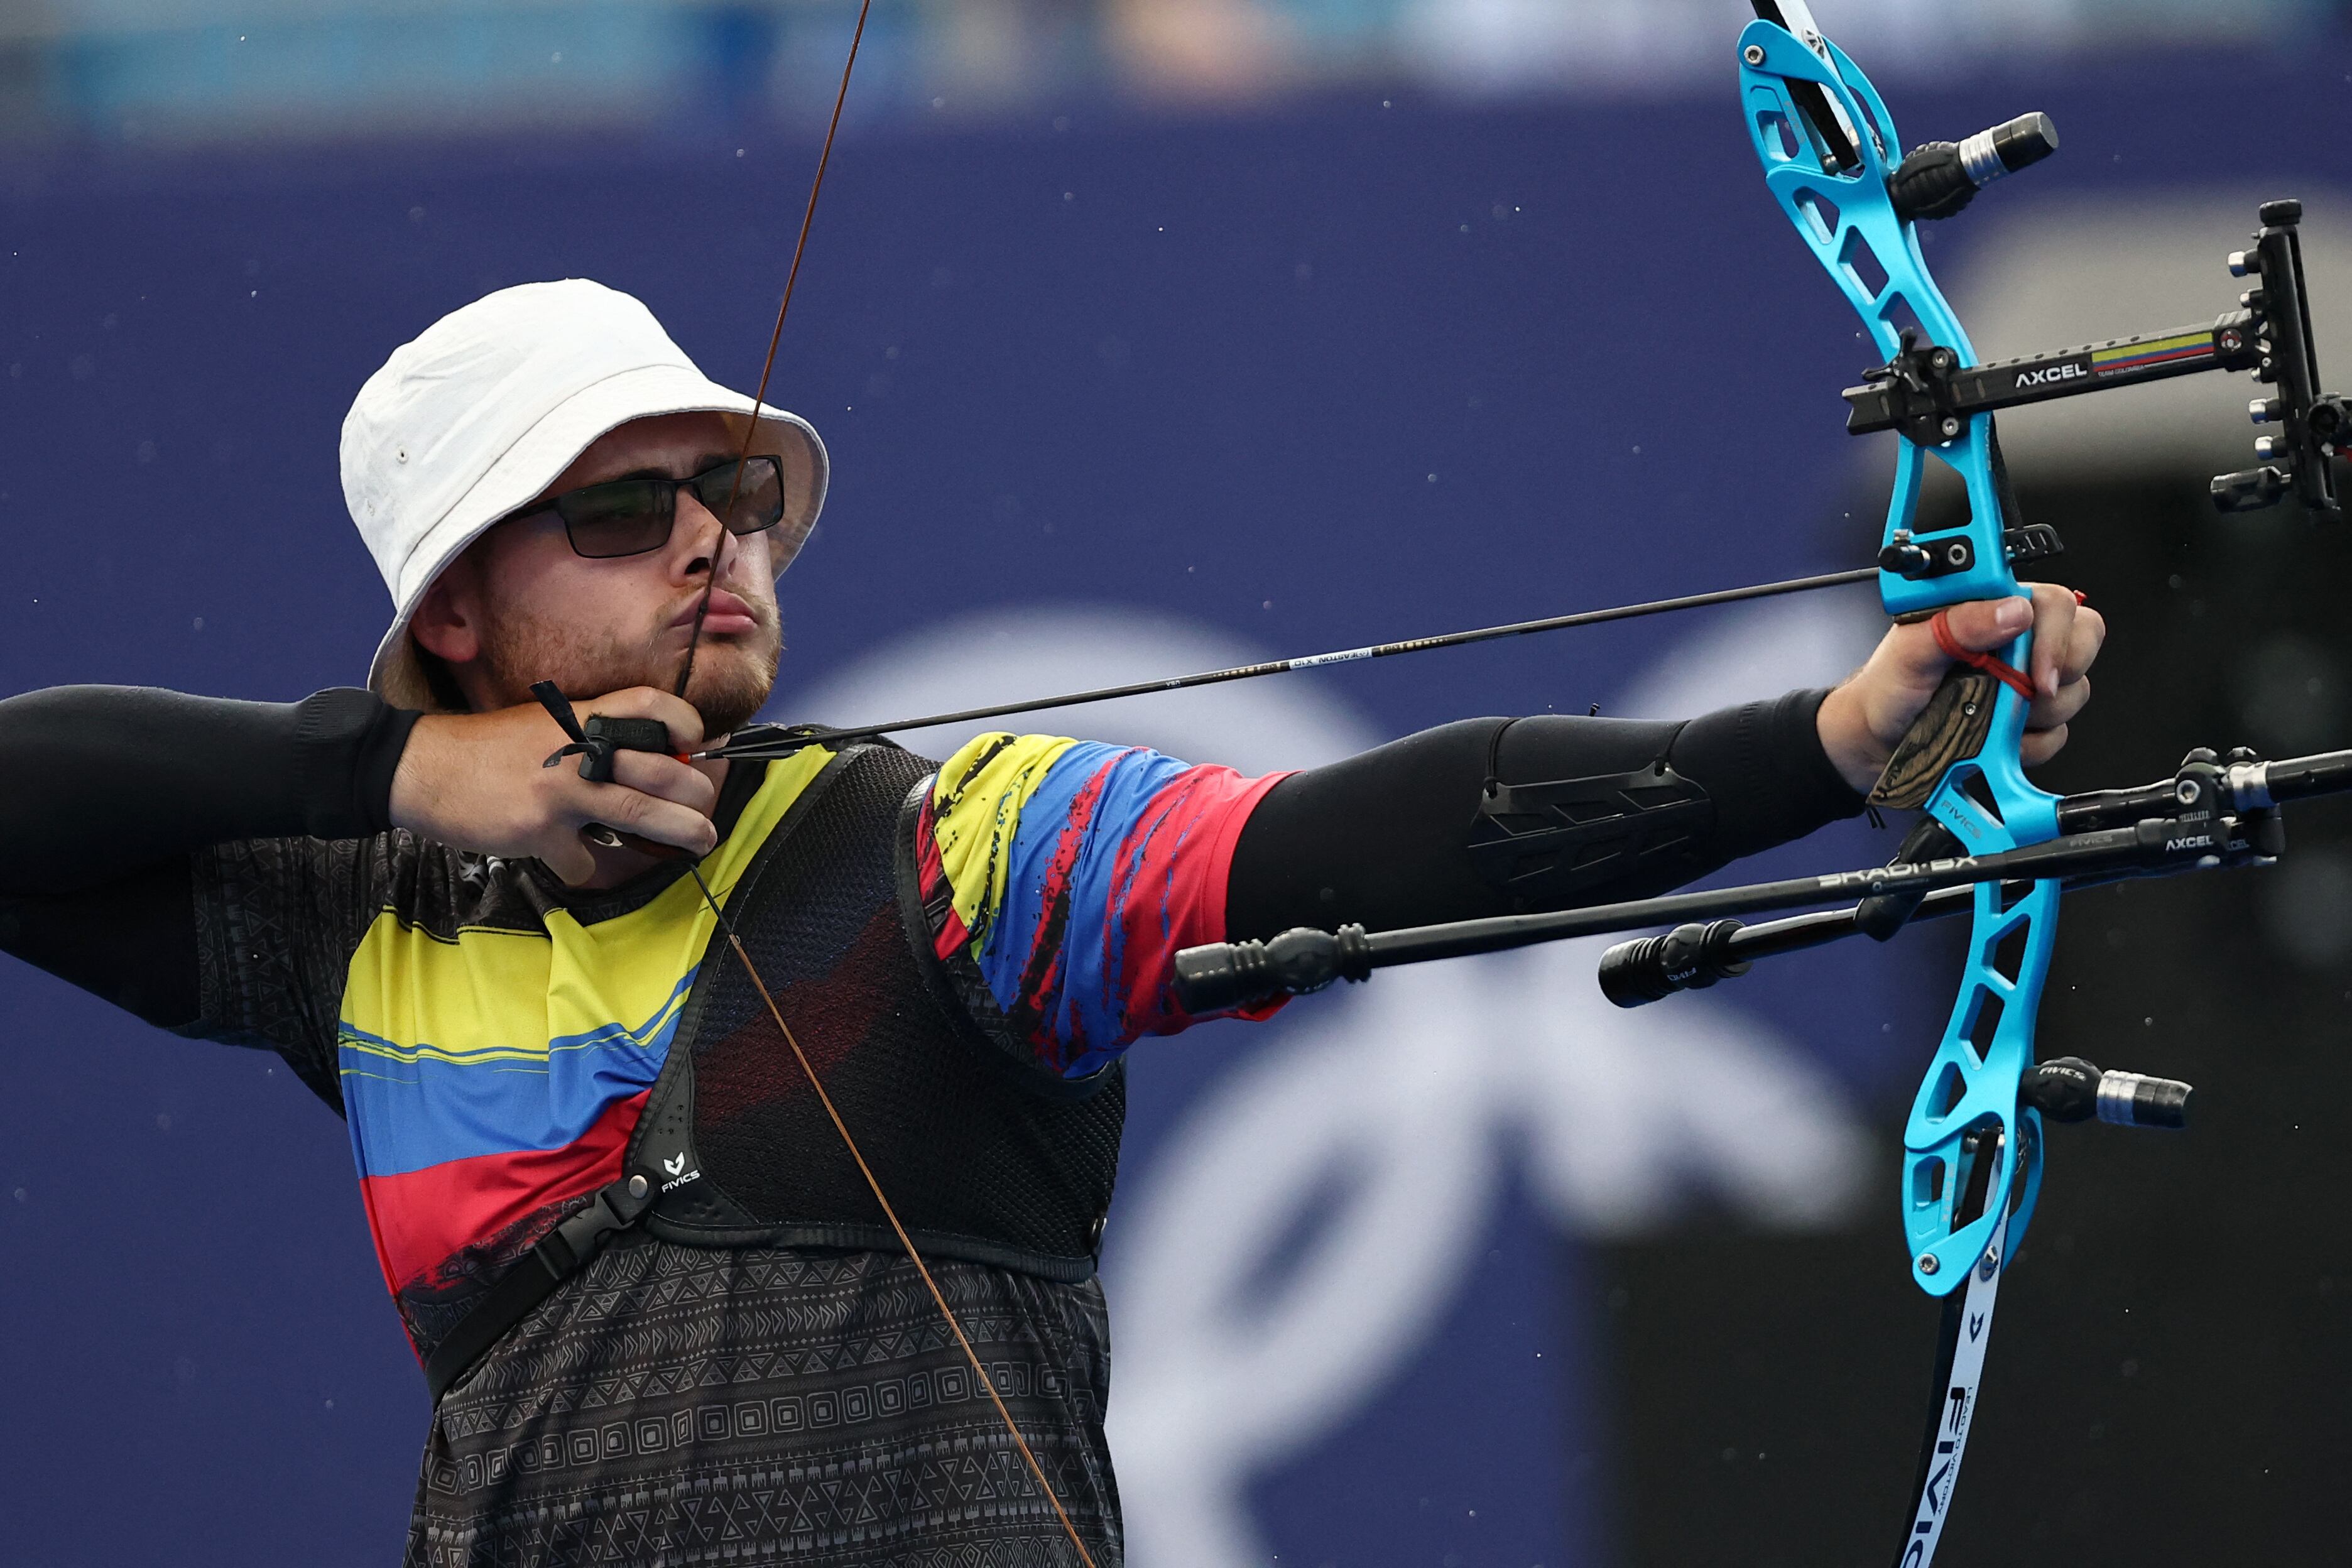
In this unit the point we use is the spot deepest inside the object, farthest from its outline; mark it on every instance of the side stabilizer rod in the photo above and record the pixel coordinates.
(1235, 973)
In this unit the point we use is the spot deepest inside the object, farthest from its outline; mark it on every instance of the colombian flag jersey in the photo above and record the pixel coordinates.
(491, 1037)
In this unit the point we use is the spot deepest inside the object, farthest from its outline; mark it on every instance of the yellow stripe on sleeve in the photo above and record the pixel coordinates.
(975, 812)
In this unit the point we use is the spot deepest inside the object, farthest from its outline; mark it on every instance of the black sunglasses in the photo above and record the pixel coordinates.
(630, 516)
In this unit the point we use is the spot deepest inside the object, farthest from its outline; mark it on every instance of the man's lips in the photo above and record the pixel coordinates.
(728, 614)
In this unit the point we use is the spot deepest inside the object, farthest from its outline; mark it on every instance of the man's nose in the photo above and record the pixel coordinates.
(700, 543)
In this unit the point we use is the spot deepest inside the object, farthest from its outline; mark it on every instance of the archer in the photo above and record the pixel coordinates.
(505, 976)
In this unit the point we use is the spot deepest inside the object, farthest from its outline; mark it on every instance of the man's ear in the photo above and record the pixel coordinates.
(448, 622)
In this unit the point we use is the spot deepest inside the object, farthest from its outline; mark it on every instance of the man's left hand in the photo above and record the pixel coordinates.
(1861, 721)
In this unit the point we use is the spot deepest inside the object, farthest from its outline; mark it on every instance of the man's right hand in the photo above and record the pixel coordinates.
(475, 781)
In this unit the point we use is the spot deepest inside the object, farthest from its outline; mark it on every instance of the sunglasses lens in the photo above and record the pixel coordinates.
(756, 487)
(627, 517)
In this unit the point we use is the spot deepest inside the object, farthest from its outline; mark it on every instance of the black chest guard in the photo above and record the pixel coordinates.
(986, 1156)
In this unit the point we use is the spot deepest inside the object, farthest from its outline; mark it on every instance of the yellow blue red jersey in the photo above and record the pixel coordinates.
(497, 1033)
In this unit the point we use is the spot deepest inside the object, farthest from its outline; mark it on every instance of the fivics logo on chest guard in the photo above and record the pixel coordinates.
(673, 1165)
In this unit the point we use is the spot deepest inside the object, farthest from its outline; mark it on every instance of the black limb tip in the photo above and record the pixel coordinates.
(1653, 968)
(2072, 1090)
(1228, 975)
(1939, 178)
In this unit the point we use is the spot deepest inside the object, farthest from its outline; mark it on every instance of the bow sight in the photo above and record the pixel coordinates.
(1925, 392)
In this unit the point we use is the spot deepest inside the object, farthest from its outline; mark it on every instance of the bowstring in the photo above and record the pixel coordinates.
(686, 678)
(776, 337)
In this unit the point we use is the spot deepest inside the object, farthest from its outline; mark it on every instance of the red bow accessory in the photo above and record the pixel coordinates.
(2015, 679)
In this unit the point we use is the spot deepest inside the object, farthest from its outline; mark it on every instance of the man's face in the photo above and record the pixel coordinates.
(521, 606)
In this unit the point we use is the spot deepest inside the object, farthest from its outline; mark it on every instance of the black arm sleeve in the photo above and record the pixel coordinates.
(104, 792)
(1387, 838)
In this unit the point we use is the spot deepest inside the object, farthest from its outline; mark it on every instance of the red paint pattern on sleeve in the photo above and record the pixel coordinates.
(1169, 890)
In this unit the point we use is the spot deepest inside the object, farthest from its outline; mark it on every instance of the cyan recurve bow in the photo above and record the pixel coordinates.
(1989, 842)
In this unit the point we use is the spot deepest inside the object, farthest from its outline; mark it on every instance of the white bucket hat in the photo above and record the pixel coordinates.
(490, 404)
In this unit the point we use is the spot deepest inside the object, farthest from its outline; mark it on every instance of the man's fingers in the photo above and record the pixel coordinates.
(650, 816)
(2067, 633)
(2086, 634)
(477, 781)
(650, 773)
(1986, 626)
(2056, 611)
(1864, 720)
(2040, 745)
(569, 858)
(2058, 710)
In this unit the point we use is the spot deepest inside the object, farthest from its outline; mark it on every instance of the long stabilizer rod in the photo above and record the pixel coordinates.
(1217, 975)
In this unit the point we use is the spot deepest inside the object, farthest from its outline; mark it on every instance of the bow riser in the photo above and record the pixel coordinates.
(1849, 221)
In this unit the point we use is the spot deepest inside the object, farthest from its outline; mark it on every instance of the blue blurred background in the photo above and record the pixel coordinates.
(1155, 334)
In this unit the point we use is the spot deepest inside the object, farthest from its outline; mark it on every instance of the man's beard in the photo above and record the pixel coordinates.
(733, 675)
